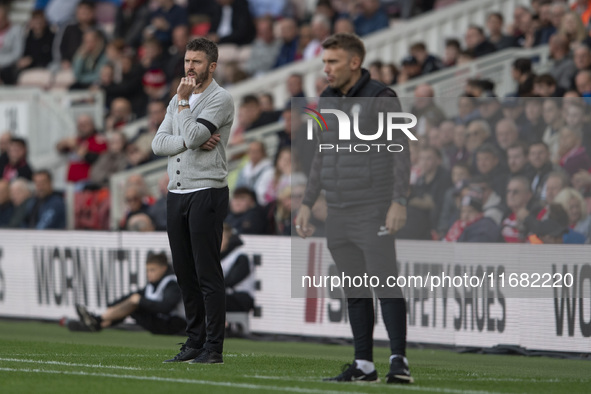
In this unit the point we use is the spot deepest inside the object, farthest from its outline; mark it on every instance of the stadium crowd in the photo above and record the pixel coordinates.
(512, 169)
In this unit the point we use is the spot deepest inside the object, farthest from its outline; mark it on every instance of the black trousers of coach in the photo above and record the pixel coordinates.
(194, 225)
(357, 250)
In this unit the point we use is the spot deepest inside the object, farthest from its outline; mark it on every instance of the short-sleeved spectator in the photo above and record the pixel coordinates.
(371, 18)
(46, 210)
(83, 149)
(232, 23)
(477, 43)
(164, 19)
(131, 19)
(17, 165)
(264, 49)
(11, 47)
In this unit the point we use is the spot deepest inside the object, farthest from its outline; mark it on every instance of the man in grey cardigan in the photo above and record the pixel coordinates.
(194, 135)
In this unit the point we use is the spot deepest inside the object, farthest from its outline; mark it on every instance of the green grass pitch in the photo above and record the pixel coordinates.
(46, 358)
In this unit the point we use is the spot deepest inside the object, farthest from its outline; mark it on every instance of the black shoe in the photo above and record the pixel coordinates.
(185, 355)
(76, 325)
(208, 357)
(399, 372)
(351, 373)
(88, 319)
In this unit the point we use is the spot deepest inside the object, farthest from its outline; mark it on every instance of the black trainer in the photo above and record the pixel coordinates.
(185, 355)
(76, 325)
(399, 372)
(208, 357)
(88, 319)
(351, 373)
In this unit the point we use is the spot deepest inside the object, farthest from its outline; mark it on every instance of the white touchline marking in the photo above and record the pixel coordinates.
(206, 382)
(174, 380)
(390, 386)
(20, 360)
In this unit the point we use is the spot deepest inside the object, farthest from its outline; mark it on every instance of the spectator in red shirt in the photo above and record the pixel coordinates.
(83, 149)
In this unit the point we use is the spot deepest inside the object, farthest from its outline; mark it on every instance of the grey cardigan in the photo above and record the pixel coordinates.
(191, 167)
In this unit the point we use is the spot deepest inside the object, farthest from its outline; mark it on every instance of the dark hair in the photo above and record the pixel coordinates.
(346, 41)
(546, 79)
(37, 13)
(558, 214)
(21, 141)
(204, 45)
(479, 29)
(418, 46)
(452, 42)
(86, 3)
(520, 145)
(245, 191)
(250, 99)
(497, 15)
(545, 145)
(523, 65)
(488, 148)
(44, 172)
(429, 148)
(463, 165)
(157, 258)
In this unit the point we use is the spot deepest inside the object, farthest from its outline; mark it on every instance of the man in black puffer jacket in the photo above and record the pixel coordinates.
(366, 196)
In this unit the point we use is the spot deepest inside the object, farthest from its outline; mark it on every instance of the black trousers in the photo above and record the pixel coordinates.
(155, 323)
(194, 226)
(357, 250)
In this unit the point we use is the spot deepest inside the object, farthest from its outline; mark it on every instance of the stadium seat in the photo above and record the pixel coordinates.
(35, 77)
(63, 79)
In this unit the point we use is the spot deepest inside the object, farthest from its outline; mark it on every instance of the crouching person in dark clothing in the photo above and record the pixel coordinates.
(238, 273)
(157, 307)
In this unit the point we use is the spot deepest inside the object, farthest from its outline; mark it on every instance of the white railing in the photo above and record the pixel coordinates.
(450, 83)
(44, 118)
(389, 45)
